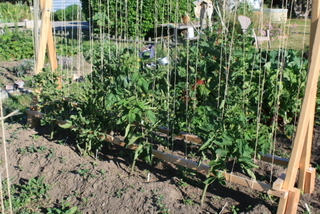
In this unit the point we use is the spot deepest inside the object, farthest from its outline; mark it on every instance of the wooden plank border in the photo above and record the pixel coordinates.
(204, 169)
(190, 164)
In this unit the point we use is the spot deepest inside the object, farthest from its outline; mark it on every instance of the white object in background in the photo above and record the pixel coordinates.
(163, 61)
(4, 95)
(190, 33)
(19, 84)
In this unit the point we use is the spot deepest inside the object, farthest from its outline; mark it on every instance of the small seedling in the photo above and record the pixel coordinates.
(119, 193)
(187, 201)
(102, 171)
(61, 171)
(182, 183)
(62, 159)
(51, 153)
(161, 207)
(34, 136)
(234, 209)
(83, 172)
(84, 200)
(94, 164)
(141, 189)
(14, 134)
(82, 165)
(22, 151)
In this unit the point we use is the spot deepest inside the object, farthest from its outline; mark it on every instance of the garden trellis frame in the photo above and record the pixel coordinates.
(284, 186)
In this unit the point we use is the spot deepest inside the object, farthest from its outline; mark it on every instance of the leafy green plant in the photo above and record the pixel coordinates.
(64, 209)
(161, 207)
(30, 194)
(62, 159)
(14, 12)
(182, 183)
(187, 201)
(232, 100)
(116, 16)
(234, 209)
(83, 172)
(11, 44)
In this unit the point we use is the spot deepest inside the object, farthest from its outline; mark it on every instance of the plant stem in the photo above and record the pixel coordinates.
(206, 186)
(133, 165)
(204, 194)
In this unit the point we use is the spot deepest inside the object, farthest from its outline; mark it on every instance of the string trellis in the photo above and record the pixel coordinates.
(214, 85)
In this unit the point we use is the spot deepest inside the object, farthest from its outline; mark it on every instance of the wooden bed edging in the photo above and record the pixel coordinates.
(204, 169)
(230, 177)
(195, 139)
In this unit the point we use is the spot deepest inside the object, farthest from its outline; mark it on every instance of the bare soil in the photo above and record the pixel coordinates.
(103, 184)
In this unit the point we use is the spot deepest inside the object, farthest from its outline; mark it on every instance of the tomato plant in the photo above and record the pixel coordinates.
(223, 92)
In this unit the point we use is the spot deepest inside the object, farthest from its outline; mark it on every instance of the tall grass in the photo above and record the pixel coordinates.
(14, 12)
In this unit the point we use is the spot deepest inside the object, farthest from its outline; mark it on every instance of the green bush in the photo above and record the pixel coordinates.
(71, 13)
(13, 12)
(132, 18)
(16, 44)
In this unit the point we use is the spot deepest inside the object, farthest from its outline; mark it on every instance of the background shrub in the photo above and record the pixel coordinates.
(13, 12)
(16, 44)
(70, 13)
(132, 18)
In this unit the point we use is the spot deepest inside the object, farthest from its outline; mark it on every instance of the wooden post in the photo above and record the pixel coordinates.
(36, 25)
(306, 152)
(305, 115)
(51, 48)
(45, 40)
(310, 181)
(293, 200)
(45, 24)
(302, 142)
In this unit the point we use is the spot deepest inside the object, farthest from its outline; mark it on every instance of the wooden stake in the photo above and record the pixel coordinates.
(45, 24)
(306, 152)
(36, 26)
(302, 140)
(52, 55)
(293, 200)
(305, 117)
(277, 185)
(310, 181)
(306, 155)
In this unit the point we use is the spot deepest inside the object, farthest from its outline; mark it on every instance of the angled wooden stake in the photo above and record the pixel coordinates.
(300, 155)
(46, 6)
(304, 179)
(46, 40)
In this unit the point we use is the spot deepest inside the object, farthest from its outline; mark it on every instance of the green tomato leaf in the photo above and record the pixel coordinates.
(133, 139)
(210, 180)
(151, 116)
(66, 125)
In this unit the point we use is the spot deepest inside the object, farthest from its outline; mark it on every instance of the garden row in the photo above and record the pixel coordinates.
(235, 101)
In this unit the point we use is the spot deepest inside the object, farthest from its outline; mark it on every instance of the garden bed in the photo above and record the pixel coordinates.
(104, 185)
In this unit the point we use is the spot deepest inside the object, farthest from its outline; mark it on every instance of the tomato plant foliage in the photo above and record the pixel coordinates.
(11, 44)
(221, 89)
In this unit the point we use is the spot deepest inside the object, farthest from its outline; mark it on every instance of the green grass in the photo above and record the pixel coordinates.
(294, 34)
